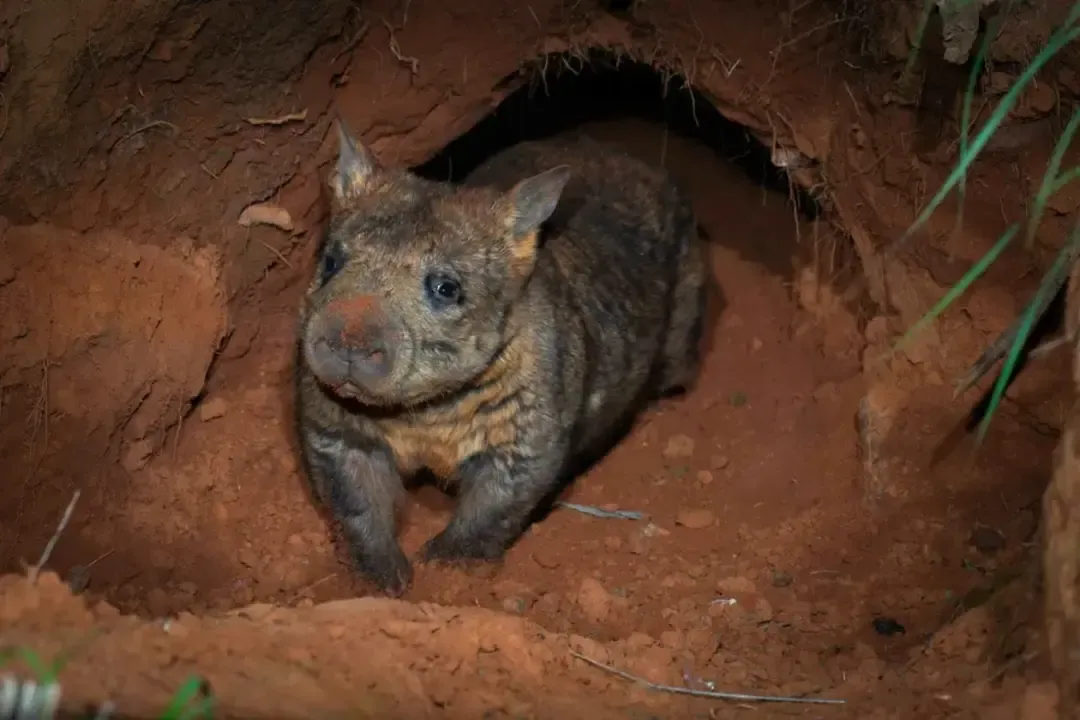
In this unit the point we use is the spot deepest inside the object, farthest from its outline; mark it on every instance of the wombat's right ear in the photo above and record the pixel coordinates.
(534, 199)
(355, 167)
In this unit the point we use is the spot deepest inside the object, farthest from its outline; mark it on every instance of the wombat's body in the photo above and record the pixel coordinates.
(445, 330)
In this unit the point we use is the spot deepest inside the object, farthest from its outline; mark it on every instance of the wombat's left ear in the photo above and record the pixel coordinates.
(355, 167)
(531, 203)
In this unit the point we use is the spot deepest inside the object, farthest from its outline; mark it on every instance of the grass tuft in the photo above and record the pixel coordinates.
(1011, 343)
(192, 700)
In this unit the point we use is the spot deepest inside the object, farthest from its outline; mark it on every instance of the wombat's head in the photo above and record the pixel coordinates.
(417, 279)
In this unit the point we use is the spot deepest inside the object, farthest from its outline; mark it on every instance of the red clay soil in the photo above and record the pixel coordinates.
(147, 341)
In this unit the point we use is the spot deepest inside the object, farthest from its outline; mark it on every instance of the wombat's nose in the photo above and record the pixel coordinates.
(372, 359)
(357, 333)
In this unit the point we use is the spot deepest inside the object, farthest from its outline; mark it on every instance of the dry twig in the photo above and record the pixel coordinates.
(148, 126)
(714, 694)
(36, 570)
(279, 120)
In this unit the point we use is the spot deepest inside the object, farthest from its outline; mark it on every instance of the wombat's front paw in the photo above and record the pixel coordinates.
(390, 570)
(453, 548)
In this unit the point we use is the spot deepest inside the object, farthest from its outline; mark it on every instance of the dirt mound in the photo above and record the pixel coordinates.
(390, 659)
(104, 343)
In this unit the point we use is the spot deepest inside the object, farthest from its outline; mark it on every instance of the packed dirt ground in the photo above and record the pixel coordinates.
(147, 341)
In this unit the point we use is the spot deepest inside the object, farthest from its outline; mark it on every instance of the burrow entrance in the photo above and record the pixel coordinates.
(758, 529)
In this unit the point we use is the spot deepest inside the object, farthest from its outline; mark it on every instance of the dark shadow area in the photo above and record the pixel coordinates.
(943, 85)
(606, 88)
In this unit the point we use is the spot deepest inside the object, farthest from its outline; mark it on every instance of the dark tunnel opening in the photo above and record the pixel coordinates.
(607, 88)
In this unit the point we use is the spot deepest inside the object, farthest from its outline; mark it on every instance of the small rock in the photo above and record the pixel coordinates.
(612, 543)
(546, 559)
(756, 344)
(695, 518)
(987, 540)
(261, 214)
(781, 578)
(514, 605)
(679, 446)
(653, 530)
(887, 626)
(212, 409)
(336, 631)
(719, 462)
(594, 600)
(704, 477)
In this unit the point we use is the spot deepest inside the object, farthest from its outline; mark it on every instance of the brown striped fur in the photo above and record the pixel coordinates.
(581, 291)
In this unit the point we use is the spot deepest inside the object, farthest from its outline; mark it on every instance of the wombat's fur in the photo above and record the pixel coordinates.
(492, 333)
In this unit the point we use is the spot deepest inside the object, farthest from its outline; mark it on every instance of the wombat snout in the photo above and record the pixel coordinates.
(350, 342)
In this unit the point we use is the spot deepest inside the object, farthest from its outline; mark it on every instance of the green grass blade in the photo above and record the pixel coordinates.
(1050, 179)
(176, 709)
(202, 709)
(1062, 266)
(38, 668)
(958, 289)
(1062, 37)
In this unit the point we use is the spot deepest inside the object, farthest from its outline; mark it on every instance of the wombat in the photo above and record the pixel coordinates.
(493, 333)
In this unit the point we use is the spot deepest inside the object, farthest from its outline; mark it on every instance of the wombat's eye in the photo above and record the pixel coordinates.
(332, 261)
(442, 290)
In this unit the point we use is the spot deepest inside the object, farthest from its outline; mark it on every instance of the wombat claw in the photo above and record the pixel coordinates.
(453, 550)
(392, 577)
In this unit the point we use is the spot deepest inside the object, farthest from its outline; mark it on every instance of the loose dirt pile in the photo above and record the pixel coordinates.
(389, 659)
